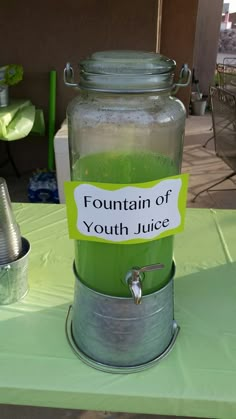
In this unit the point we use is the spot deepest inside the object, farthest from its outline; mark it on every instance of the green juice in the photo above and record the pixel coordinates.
(103, 266)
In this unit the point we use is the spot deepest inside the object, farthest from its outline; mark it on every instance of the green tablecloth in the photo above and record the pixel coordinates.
(198, 378)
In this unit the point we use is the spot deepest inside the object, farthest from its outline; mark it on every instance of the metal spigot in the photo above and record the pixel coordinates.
(135, 277)
(135, 284)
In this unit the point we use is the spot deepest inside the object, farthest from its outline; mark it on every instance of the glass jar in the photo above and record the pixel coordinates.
(124, 128)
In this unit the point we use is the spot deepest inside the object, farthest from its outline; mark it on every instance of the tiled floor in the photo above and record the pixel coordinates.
(204, 168)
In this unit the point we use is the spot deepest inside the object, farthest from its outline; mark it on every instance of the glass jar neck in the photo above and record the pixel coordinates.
(127, 72)
(106, 96)
(126, 84)
(120, 101)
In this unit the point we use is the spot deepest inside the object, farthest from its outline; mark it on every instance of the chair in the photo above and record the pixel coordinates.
(9, 159)
(226, 79)
(223, 104)
(226, 73)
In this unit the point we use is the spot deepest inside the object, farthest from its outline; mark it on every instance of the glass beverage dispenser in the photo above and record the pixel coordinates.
(124, 128)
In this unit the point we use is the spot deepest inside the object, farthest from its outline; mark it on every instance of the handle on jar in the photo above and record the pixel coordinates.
(69, 76)
(184, 78)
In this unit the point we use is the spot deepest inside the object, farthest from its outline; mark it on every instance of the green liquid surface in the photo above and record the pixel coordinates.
(103, 266)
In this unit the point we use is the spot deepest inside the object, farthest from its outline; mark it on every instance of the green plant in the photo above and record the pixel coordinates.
(11, 74)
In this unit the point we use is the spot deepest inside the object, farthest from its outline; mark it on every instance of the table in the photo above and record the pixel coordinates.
(198, 378)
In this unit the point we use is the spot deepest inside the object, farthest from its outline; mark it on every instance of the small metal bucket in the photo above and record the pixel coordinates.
(14, 277)
(115, 335)
(199, 107)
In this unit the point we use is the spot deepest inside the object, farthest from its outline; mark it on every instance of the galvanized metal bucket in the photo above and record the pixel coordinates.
(115, 335)
(14, 277)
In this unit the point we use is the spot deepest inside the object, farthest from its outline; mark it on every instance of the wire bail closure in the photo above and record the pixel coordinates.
(69, 76)
(184, 79)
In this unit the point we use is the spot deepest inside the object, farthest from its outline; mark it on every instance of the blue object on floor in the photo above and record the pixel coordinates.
(43, 188)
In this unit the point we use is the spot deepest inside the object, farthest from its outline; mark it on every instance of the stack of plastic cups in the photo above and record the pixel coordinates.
(14, 251)
(10, 237)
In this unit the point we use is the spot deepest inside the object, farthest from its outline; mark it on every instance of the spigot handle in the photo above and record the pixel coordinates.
(150, 268)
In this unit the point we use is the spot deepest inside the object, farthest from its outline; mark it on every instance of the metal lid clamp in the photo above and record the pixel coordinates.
(184, 78)
(69, 76)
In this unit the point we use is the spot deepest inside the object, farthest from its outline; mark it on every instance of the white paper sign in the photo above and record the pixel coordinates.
(128, 213)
